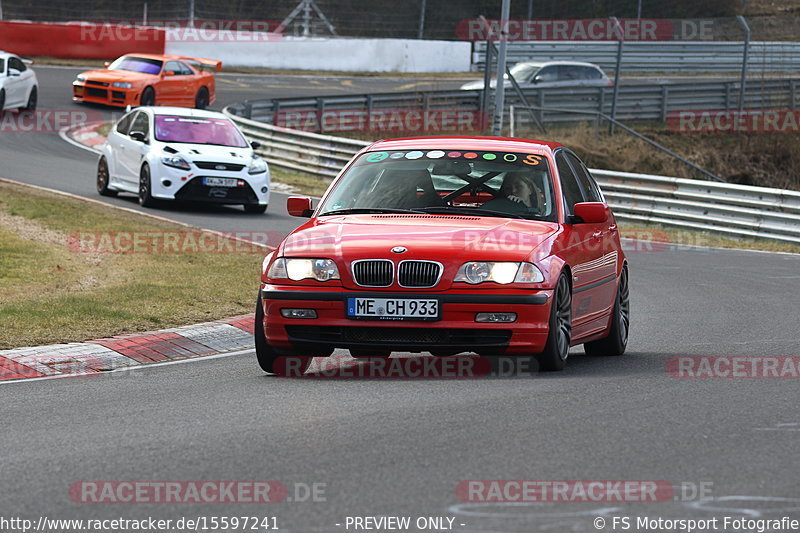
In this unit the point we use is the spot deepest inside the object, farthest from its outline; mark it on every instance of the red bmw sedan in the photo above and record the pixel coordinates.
(487, 245)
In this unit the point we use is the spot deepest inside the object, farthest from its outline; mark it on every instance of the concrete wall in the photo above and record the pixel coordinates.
(358, 55)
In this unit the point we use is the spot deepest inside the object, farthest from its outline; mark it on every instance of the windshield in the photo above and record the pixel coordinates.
(516, 185)
(196, 130)
(137, 64)
(524, 71)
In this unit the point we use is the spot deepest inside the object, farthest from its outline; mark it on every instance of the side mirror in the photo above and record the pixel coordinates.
(169, 73)
(255, 145)
(592, 212)
(138, 136)
(107, 64)
(299, 206)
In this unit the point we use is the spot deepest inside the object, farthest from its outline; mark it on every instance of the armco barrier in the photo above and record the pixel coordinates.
(680, 57)
(637, 101)
(80, 40)
(720, 208)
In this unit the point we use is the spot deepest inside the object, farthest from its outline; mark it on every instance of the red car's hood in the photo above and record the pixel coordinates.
(110, 76)
(451, 240)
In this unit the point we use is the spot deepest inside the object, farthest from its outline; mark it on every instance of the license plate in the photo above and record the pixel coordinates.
(393, 308)
(220, 182)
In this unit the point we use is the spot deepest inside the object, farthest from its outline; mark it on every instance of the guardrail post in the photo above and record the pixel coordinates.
(248, 110)
(320, 110)
(276, 107)
(793, 93)
(664, 98)
(540, 103)
(426, 101)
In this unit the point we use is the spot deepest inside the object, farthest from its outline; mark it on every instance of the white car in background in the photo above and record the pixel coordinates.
(19, 88)
(543, 75)
(175, 153)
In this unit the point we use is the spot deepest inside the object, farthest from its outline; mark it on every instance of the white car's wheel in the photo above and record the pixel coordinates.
(32, 100)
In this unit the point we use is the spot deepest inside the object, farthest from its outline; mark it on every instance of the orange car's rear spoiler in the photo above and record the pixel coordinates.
(217, 65)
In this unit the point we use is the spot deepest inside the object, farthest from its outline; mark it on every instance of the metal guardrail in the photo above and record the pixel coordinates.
(696, 57)
(721, 208)
(636, 101)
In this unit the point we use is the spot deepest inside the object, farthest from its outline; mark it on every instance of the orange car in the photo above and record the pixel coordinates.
(149, 79)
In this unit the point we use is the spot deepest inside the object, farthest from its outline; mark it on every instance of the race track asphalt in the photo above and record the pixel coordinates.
(389, 447)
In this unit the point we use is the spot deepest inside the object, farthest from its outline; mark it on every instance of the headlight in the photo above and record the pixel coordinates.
(299, 269)
(504, 273)
(175, 162)
(122, 84)
(80, 79)
(257, 166)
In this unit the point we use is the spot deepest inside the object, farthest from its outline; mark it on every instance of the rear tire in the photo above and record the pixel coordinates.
(145, 188)
(617, 339)
(556, 349)
(269, 359)
(103, 179)
(254, 209)
(148, 97)
(201, 99)
(32, 100)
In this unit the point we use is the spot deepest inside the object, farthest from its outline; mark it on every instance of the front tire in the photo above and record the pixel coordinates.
(255, 209)
(2, 101)
(148, 97)
(201, 99)
(103, 179)
(32, 100)
(617, 339)
(556, 349)
(269, 359)
(145, 188)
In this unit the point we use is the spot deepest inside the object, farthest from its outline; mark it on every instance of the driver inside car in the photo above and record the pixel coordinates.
(518, 194)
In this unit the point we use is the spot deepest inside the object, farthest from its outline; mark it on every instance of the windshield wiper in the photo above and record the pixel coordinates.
(362, 210)
(447, 209)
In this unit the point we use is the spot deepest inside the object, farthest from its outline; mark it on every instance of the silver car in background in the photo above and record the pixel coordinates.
(548, 74)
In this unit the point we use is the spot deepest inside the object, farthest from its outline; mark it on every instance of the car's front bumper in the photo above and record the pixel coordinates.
(107, 95)
(456, 331)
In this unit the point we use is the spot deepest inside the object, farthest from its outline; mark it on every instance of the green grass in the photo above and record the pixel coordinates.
(49, 292)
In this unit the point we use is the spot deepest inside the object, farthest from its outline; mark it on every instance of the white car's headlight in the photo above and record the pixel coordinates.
(122, 84)
(319, 269)
(504, 273)
(175, 162)
(258, 166)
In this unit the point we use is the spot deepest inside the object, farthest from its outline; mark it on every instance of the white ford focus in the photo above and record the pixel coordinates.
(174, 153)
(18, 83)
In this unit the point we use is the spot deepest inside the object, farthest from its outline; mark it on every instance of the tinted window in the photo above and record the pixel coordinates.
(15, 63)
(591, 73)
(570, 73)
(124, 123)
(185, 70)
(178, 68)
(547, 74)
(140, 123)
(197, 130)
(569, 184)
(590, 189)
(144, 65)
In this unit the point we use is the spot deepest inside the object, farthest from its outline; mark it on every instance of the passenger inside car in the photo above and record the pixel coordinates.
(404, 189)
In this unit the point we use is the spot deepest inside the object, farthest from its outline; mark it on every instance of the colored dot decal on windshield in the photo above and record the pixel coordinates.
(397, 155)
(510, 157)
(453, 154)
(470, 155)
(435, 154)
(416, 154)
(489, 157)
(377, 156)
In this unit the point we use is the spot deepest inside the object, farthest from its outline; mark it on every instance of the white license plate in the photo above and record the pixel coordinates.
(393, 308)
(219, 182)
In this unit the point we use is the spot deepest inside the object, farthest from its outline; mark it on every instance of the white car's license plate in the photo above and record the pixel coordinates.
(220, 182)
(393, 308)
